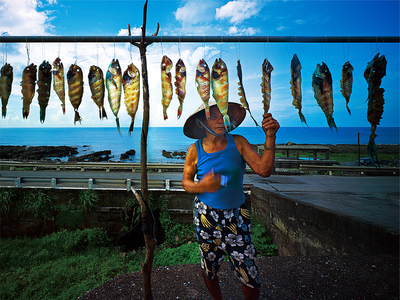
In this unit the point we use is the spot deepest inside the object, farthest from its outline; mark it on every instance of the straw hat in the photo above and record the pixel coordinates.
(191, 129)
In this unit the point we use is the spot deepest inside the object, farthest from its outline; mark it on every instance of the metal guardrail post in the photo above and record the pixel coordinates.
(11, 168)
(18, 182)
(90, 183)
(54, 183)
(128, 184)
(167, 184)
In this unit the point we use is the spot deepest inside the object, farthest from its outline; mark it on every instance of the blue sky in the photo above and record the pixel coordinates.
(204, 18)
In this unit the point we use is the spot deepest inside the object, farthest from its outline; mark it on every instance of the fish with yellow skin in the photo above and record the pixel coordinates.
(6, 79)
(28, 88)
(97, 88)
(75, 89)
(114, 88)
(59, 81)
(322, 85)
(131, 84)
(220, 88)
(203, 84)
(180, 84)
(242, 93)
(166, 85)
(44, 87)
(267, 68)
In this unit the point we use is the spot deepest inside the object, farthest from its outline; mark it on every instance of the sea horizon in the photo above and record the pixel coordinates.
(93, 139)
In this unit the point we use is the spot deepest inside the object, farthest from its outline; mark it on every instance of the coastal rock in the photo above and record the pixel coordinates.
(125, 156)
(175, 154)
(98, 156)
(35, 152)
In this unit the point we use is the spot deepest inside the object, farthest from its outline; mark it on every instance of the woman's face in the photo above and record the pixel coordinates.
(216, 121)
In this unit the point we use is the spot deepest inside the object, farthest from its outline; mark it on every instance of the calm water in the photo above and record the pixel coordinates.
(172, 138)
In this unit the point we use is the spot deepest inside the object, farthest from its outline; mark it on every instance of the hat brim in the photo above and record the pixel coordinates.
(191, 129)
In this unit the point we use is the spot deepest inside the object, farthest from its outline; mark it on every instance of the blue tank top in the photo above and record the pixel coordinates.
(227, 162)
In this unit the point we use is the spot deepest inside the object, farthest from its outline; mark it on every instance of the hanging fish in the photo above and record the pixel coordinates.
(242, 93)
(114, 88)
(75, 89)
(220, 88)
(322, 85)
(166, 86)
(180, 83)
(6, 79)
(28, 88)
(97, 88)
(266, 84)
(346, 83)
(59, 81)
(295, 85)
(373, 74)
(203, 84)
(44, 87)
(131, 83)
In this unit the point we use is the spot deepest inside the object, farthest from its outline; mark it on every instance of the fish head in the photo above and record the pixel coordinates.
(30, 71)
(7, 70)
(45, 67)
(114, 68)
(74, 70)
(130, 74)
(295, 63)
(94, 71)
(180, 68)
(57, 64)
(267, 67)
(202, 68)
(219, 69)
(347, 67)
(166, 63)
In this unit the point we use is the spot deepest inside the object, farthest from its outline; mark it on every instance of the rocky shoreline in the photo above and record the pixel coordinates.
(56, 153)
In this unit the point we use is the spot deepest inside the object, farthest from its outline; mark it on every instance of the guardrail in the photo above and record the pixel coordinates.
(315, 149)
(89, 183)
(91, 165)
(361, 170)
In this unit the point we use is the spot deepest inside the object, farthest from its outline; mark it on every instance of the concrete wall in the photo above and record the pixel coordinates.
(302, 229)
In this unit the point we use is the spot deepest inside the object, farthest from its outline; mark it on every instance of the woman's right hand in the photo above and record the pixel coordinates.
(211, 182)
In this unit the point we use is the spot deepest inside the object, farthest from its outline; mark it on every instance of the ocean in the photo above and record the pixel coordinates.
(88, 139)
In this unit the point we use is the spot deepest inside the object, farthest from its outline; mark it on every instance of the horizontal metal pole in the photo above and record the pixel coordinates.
(200, 39)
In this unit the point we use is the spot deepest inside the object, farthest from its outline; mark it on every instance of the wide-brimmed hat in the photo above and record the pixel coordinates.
(192, 129)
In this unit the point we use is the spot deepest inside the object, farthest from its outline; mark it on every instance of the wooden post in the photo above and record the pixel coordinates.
(358, 149)
(147, 229)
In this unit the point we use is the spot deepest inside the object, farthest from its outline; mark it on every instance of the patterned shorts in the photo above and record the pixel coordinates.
(221, 231)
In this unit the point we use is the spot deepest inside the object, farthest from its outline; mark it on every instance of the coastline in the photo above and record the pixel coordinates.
(68, 153)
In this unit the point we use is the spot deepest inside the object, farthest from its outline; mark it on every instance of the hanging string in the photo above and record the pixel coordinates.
(179, 46)
(59, 47)
(43, 51)
(204, 47)
(28, 51)
(221, 48)
(238, 49)
(114, 47)
(162, 50)
(75, 50)
(266, 51)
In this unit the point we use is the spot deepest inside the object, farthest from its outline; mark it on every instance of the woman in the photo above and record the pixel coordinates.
(222, 219)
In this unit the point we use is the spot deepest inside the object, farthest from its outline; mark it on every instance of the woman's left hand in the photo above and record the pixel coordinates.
(270, 125)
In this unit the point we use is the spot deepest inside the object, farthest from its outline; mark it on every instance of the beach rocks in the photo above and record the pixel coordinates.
(98, 156)
(35, 153)
(125, 156)
(175, 154)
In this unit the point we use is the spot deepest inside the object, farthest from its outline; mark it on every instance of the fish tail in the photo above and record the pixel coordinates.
(207, 110)
(348, 109)
(302, 118)
(117, 121)
(42, 114)
(372, 149)
(63, 108)
(103, 113)
(131, 126)
(254, 119)
(165, 113)
(77, 117)
(227, 123)
(179, 111)
(332, 124)
(25, 114)
(3, 112)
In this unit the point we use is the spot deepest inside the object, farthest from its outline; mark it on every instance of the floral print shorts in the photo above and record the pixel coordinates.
(221, 231)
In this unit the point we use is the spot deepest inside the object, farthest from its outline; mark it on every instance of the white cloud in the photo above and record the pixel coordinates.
(194, 12)
(238, 11)
(134, 32)
(20, 17)
(233, 30)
